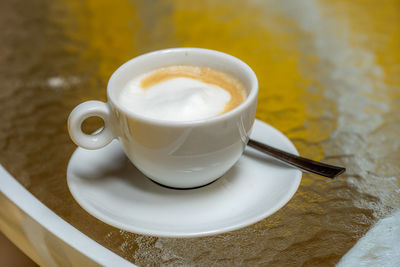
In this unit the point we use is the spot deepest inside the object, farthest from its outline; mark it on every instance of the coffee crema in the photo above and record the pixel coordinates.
(182, 93)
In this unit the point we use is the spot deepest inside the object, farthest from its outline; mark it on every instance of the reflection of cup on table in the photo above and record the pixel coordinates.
(182, 116)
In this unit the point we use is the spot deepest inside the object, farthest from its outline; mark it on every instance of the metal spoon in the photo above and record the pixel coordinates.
(299, 162)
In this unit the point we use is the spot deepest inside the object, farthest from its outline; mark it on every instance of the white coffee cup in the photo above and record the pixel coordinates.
(176, 154)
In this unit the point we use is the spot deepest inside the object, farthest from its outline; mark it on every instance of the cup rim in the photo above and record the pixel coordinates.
(239, 109)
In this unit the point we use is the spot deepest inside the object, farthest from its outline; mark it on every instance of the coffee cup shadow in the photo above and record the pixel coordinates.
(117, 168)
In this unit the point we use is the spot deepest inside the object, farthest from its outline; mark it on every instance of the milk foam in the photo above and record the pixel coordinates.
(176, 99)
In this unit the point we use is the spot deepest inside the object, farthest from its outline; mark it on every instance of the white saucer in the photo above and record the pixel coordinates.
(110, 188)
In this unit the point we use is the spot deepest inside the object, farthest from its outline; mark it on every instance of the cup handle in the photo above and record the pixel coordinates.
(82, 112)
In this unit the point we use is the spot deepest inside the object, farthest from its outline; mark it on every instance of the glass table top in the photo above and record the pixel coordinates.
(329, 80)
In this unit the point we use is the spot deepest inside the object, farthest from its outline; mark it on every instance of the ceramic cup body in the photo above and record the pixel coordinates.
(176, 154)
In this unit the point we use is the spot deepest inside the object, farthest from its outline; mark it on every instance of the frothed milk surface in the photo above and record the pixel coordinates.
(182, 93)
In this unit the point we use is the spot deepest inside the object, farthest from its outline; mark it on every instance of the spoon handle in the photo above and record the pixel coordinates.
(299, 162)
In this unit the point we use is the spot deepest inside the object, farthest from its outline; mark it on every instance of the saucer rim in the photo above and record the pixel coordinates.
(176, 234)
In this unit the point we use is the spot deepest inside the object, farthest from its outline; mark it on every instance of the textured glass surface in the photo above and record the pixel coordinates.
(329, 74)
